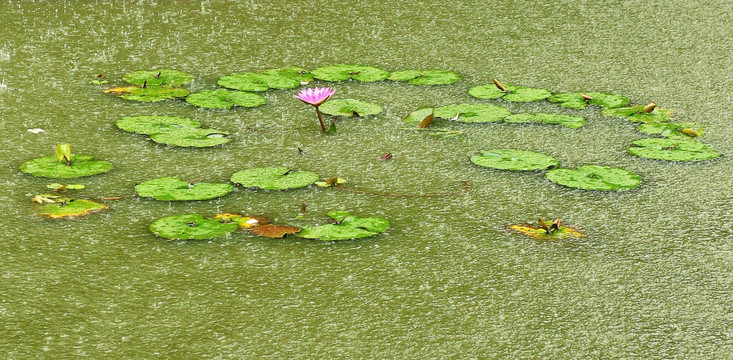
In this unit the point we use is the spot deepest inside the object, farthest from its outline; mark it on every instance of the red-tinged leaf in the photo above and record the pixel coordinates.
(274, 231)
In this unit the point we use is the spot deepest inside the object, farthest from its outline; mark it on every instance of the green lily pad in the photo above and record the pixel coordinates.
(257, 82)
(672, 150)
(149, 93)
(159, 77)
(511, 159)
(192, 137)
(50, 167)
(348, 227)
(100, 82)
(426, 77)
(173, 189)
(225, 99)
(576, 100)
(190, 227)
(594, 177)
(349, 108)
(671, 130)
(473, 113)
(274, 178)
(299, 74)
(417, 116)
(634, 114)
(346, 72)
(148, 125)
(573, 122)
(66, 208)
(513, 93)
(62, 187)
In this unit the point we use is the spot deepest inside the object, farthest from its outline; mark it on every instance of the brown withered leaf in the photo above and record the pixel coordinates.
(274, 231)
(426, 121)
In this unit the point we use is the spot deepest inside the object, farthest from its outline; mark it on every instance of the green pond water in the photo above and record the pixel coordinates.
(652, 280)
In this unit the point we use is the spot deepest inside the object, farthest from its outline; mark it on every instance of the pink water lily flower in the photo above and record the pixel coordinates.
(316, 97)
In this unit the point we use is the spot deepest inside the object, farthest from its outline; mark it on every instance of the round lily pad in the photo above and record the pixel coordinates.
(473, 113)
(225, 99)
(573, 122)
(671, 130)
(66, 208)
(192, 137)
(50, 167)
(173, 189)
(672, 150)
(149, 93)
(148, 125)
(159, 77)
(426, 77)
(190, 227)
(514, 160)
(274, 231)
(347, 227)
(513, 93)
(257, 82)
(299, 74)
(350, 107)
(274, 178)
(577, 101)
(594, 177)
(346, 72)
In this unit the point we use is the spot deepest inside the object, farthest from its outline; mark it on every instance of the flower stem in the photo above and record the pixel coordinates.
(320, 118)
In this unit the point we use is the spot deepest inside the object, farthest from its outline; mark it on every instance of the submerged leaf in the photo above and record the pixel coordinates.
(672, 150)
(346, 72)
(274, 178)
(149, 125)
(173, 189)
(347, 226)
(563, 232)
(473, 113)
(257, 82)
(573, 122)
(426, 77)
(159, 77)
(190, 227)
(66, 208)
(225, 99)
(594, 177)
(49, 167)
(192, 137)
(514, 160)
(350, 107)
(513, 93)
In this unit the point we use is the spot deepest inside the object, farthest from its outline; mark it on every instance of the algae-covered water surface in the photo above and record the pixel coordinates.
(436, 270)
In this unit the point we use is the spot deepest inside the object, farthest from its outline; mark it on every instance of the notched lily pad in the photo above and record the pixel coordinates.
(257, 82)
(190, 227)
(513, 93)
(58, 207)
(594, 177)
(672, 150)
(159, 77)
(148, 94)
(173, 189)
(346, 72)
(573, 122)
(225, 99)
(192, 137)
(50, 167)
(350, 107)
(149, 125)
(299, 74)
(577, 101)
(346, 227)
(514, 160)
(274, 231)
(473, 113)
(274, 178)
(426, 77)
(671, 130)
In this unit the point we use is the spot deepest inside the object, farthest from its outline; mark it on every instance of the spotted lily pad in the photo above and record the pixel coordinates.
(513, 93)
(671, 130)
(173, 189)
(426, 77)
(346, 72)
(672, 150)
(350, 107)
(573, 122)
(594, 177)
(299, 74)
(149, 125)
(347, 227)
(257, 82)
(563, 232)
(50, 167)
(274, 178)
(67, 207)
(225, 99)
(148, 94)
(514, 160)
(159, 77)
(473, 113)
(274, 231)
(577, 101)
(192, 137)
(190, 227)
